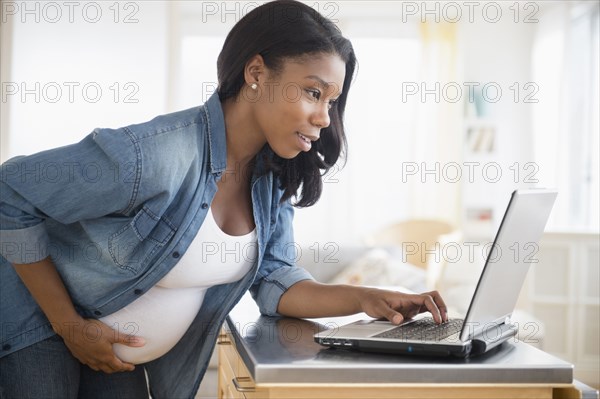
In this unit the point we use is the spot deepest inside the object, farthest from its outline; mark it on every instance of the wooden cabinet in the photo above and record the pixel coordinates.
(234, 378)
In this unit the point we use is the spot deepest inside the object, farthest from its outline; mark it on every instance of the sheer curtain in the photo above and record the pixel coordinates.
(565, 66)
(437, 134)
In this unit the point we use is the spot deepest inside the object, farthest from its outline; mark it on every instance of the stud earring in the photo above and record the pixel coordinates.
(254, 86)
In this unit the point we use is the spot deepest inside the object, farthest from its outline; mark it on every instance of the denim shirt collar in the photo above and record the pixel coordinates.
(217, 139)
(215, 121)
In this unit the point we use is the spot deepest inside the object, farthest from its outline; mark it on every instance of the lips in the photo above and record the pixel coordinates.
(303, 137)
(304, 142)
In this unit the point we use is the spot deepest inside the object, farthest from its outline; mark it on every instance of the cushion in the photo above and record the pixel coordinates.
(381, 267)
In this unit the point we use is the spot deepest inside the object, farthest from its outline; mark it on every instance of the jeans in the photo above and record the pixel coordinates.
(49, 370)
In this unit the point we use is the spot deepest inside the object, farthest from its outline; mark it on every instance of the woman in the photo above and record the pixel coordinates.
(107, 271)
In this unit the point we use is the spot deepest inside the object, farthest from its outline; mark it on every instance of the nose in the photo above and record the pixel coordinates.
(320, 117)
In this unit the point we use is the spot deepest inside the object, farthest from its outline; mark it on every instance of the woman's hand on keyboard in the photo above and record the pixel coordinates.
(397, 306)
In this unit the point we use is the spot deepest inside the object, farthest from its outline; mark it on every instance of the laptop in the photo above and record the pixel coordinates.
(487, 322)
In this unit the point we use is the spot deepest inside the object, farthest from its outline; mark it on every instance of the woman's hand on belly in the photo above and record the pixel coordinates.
(91, 342)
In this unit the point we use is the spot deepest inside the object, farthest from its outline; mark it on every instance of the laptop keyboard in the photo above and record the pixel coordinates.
(423, 330)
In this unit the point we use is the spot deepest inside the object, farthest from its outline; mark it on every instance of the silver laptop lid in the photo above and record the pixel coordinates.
(514, 250)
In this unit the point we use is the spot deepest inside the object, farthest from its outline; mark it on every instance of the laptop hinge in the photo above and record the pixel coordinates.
(493, 337)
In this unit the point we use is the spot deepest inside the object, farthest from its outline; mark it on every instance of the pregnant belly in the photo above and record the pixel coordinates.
(161, 316)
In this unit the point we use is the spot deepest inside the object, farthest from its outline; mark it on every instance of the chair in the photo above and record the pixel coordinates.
(421, 242)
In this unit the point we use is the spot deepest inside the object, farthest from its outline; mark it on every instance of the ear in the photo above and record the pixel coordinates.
(255, 70)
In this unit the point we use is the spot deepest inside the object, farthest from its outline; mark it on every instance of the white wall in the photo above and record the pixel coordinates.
(51, 97)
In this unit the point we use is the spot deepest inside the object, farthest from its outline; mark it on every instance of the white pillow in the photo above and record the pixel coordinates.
(378, 267)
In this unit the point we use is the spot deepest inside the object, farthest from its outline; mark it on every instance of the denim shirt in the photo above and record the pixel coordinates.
(116, 211)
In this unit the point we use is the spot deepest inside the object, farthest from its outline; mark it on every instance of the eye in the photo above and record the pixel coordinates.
(332, 103)
(315, 94)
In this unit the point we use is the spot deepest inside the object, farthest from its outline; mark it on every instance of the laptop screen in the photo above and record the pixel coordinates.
(513, 252)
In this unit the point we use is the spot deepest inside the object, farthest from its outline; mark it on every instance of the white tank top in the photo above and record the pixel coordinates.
(163, 314)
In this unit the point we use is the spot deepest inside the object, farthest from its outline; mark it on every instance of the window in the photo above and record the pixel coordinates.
(565, 66)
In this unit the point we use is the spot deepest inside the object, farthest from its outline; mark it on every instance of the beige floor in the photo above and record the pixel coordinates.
(208, 387)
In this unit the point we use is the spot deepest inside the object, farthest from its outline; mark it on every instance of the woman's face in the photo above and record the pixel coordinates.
(293, 107)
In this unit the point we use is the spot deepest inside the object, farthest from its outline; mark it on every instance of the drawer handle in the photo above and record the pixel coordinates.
(223, 340)
(236, 383)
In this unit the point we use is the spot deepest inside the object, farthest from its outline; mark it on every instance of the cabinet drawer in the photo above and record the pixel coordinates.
(226, 375)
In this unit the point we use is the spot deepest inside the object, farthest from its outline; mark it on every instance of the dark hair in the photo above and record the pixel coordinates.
(289, 30)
